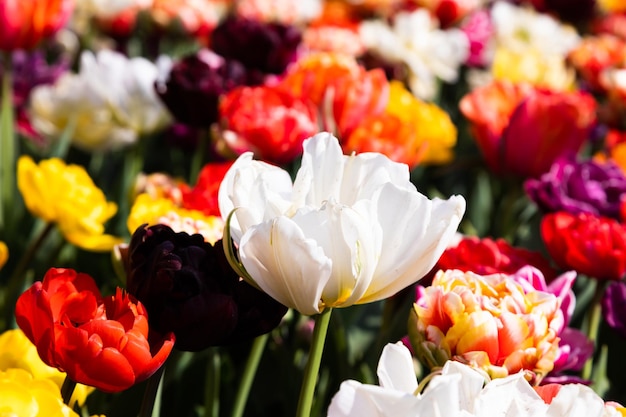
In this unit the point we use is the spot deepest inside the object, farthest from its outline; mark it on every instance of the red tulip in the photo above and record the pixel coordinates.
(102, 342)
(522, 129)
(269, 121)
(23, 23)
(590, 244)
(203, 196)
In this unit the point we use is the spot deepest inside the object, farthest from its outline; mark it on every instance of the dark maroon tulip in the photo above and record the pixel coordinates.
(265, 47)
(579, 187)
(195, 83)
(189, 289)
(614, 306)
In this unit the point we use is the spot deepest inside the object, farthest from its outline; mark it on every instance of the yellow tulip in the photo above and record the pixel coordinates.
(151, 211)
(16, 351)
(613, 6)
(4, 254)
(66, 195)
(24, 396)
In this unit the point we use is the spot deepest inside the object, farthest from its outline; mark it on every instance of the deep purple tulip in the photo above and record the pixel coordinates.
(194, 85)
(189, 289)
(579, 186)
(264, 47)
(614, 307)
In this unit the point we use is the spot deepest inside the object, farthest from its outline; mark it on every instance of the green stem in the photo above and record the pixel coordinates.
(199, 156)
(212, 384)
(7, 143)
(313, 364)
(248, 375)
(67, 389)
(152, 394)
(17, 277)
(592, 325)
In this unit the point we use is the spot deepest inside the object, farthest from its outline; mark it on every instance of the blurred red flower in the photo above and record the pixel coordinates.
(590, 244)
(24, 23)
(487, 256)
(267, 120)
(102, 342)
(203, 196)
(522, 130)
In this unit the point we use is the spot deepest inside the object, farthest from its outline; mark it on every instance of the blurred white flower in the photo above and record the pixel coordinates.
(349, 230)
(431, 54)
(108, 8)
(460, 391)
(520, 29)
(283, 11)
(109, 104)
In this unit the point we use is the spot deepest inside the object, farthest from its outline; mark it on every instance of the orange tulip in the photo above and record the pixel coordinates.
(23, 23)
(344, 92)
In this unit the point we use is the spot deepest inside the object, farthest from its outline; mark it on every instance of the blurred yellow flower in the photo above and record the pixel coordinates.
(25, 396)
(409, 131)
(435, 130)
(66, 195)
(151, 211)
(16, 351)
(547, 71)
(488, 322)
(4, 254)
(613, 6)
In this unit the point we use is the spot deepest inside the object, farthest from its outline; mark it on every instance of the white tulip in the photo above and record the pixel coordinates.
(460, 391)
(109, 104)
(349, 230)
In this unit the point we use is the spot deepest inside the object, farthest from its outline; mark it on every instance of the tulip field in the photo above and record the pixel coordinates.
(313, 208)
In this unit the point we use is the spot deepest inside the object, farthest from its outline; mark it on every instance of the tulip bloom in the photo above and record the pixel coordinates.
(102, 342)
(349, 230)
(488, 256)
(19, 352)
(193, 86)
(270, 121)
(189, 289)
(592, 245)
(614, 307)
(66, 195)
(491, 322)
(23, 395)
(460, 391)
(522, 130)
(579, 186)
(24, 23)
(344, 92)
(203, 195)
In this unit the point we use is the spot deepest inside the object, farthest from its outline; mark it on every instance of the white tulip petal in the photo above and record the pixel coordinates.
(511, 396)
(285, 264)
(576, 400)
(470, 386)
(416, 231)
(358, 400)
(263, 189)
(320, 174)
(395, 369)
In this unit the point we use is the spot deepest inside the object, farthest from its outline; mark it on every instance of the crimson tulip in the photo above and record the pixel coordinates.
(23, 23)
(203, 196)
(590, 244)
(100, 341)
(522, 130)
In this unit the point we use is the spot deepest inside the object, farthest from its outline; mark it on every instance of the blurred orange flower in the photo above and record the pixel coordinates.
(26, 22)
(344, 91)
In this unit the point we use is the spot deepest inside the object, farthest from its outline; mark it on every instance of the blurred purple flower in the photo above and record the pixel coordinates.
(579, 186)
(267, 48)
(192, 88)
(614, 307)
(188, 288)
